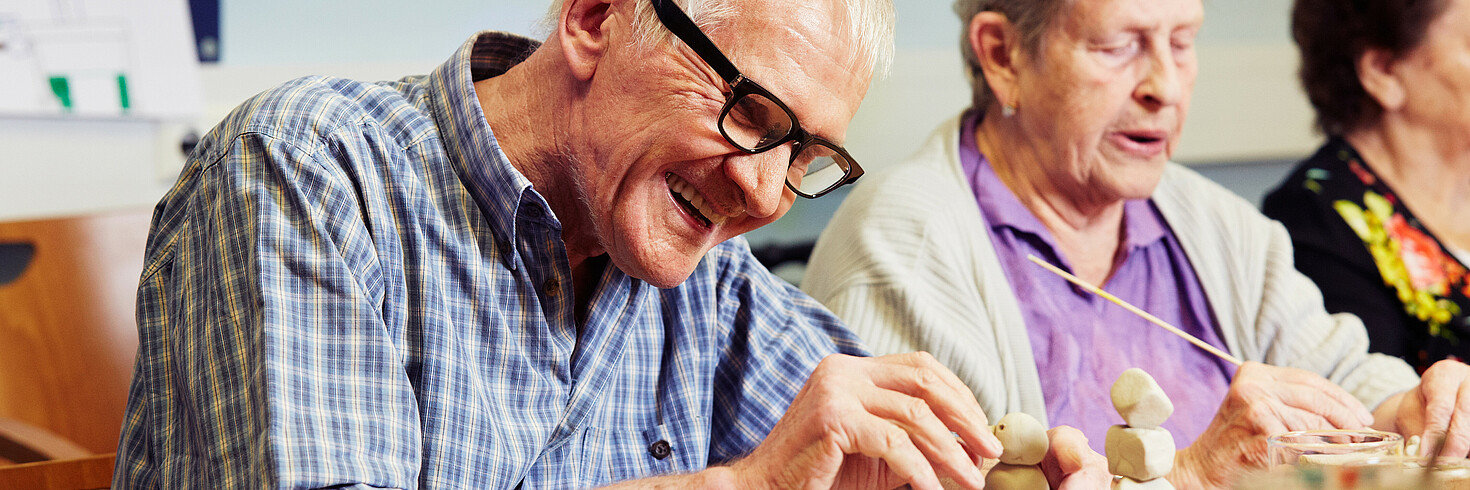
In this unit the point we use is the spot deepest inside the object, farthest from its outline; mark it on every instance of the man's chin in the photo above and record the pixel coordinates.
(666, 279)
(663, 274)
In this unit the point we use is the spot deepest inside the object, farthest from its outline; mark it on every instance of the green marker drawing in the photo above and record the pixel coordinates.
(122, 91)
(62, 89)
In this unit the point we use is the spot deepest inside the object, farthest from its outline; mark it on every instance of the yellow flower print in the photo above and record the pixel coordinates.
(1353, 215)
(1388, 237)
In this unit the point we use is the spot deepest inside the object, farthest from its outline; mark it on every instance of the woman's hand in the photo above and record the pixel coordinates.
(1438, 409)
(1263, 400)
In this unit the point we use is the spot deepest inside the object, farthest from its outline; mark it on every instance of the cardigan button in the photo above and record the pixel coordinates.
(660, 449)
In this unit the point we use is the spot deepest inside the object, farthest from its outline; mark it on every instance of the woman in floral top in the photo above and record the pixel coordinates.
(1380, 216)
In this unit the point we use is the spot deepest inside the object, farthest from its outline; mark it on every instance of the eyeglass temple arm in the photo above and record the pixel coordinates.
(682, 26)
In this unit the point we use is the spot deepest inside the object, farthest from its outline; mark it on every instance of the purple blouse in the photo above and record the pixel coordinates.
(1082, 342)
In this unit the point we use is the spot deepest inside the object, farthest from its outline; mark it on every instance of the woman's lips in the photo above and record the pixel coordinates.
(1144, 143)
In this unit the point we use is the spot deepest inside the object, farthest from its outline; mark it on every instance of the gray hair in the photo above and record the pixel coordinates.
(1030, 17)
(873, 20)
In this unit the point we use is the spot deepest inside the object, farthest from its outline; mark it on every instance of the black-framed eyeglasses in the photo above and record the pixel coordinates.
(756, 121)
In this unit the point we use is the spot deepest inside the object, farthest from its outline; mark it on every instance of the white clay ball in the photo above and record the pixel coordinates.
(1015, 477)
(1023, 437)
(1140, 400)
(1140, 454)
(1126, 483)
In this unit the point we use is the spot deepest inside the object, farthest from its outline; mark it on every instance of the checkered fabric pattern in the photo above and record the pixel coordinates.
(351, 287)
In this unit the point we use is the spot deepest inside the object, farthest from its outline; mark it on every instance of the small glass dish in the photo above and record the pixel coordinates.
(1334, 447)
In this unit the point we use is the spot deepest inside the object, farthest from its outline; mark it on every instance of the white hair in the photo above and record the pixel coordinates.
(873, 20)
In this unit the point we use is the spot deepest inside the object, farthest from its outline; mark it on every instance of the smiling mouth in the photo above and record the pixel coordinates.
(693, 203)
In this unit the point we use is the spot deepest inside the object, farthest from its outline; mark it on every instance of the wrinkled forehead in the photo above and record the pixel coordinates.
(1093, 16)
(805, 53)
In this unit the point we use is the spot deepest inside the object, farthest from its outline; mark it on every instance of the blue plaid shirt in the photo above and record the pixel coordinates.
(350, 286)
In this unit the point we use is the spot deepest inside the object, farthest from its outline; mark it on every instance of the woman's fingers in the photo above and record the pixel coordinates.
(1071, 463)
(1337, 404)
(1456, 431)
(1265, 392)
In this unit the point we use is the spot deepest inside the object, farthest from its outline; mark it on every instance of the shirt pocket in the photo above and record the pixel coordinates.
(640, 453)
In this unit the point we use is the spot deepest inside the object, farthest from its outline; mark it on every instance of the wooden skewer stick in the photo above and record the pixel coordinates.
(1146, 316)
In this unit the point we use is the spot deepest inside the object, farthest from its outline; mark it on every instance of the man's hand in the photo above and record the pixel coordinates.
(1263, 400)
(874, 423)
(1071, 464)
(1438, 409)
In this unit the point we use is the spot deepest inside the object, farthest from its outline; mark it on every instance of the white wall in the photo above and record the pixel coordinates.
(1247, 105)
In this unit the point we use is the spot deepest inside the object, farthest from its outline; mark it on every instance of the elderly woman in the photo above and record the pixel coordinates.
(1377, 216)
(1065, 155)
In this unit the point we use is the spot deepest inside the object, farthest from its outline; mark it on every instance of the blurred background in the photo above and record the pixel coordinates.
(1249, 119)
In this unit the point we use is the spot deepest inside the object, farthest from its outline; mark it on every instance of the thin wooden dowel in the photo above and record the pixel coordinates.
(1146, 316)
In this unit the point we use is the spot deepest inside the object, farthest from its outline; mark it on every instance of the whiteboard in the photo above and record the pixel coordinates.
(98, 58)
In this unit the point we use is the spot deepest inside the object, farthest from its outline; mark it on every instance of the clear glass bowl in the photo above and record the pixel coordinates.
(1334, 447)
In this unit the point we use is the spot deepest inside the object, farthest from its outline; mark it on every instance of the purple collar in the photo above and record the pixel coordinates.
(1142, 224)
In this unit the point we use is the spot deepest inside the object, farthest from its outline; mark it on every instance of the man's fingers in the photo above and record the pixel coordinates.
(925, 360)
(919, 375)
(926, 432)
(871, 436)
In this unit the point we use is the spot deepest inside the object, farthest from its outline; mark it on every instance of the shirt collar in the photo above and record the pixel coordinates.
(497, 187)
(1142, 223)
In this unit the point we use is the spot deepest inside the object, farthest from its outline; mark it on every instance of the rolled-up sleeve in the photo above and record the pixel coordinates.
(265, 360)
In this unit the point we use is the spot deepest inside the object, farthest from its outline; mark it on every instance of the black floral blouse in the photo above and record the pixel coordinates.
(1370, 256)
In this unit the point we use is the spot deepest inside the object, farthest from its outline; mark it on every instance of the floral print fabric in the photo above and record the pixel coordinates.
(1432, 284)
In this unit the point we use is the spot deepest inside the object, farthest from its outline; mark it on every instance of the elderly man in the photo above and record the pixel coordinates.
(518, 271)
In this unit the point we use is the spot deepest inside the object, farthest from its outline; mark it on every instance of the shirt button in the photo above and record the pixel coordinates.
(660, 449)
(551, 287)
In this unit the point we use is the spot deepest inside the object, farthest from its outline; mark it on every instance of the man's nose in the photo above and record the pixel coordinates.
(762, 179)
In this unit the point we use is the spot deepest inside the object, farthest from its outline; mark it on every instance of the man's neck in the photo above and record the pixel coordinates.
(1088, 228)
(1430, 173)
(530, 124)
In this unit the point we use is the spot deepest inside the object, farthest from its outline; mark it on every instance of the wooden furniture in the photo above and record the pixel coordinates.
(89, 473)
(25, 443)
(68, 335)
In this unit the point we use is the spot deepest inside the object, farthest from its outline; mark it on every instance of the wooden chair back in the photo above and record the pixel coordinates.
(67, 331)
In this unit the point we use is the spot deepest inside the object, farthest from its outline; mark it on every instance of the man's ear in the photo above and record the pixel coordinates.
(583, 34)
(997, 45)
(1376, 73)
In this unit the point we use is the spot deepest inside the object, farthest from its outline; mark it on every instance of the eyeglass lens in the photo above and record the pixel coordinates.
(817, 169)
(756, 123)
